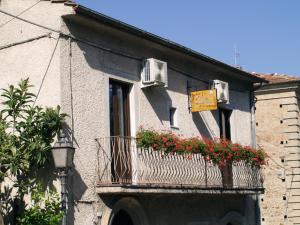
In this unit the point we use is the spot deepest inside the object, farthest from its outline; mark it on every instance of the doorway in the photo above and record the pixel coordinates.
(120, 140)
(119, 109)
(122, 218)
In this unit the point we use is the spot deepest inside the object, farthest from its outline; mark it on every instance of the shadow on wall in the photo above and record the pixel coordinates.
(213, 209)
(78, 189)
(75, 184)
(160, 101)
(203, 127)
(45, 177)
(123, 67)
(67, 130)
(105, 62)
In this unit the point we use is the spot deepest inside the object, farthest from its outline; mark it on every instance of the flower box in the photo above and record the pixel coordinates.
(219, 151)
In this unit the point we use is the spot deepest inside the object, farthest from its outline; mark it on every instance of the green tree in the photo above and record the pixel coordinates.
(45, 209)
(26, 134)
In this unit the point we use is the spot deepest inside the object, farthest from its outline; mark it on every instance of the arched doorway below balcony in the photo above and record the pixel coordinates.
(232, 218)
(125, 211)
(122, 218)
(233, 224)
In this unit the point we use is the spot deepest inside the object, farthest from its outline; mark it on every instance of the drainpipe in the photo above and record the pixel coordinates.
(252, 111)
(254, 144)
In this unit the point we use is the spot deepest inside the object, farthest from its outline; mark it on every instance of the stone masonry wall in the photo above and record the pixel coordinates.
(277, 127)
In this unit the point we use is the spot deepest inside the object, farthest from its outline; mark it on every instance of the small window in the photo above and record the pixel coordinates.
(173, 117)
(224, 115)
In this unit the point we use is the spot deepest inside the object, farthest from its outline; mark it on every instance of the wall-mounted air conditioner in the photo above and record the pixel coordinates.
(154, 73)
(222, 91)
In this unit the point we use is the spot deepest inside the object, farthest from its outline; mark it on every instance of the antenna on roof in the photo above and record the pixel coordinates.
(236, 57)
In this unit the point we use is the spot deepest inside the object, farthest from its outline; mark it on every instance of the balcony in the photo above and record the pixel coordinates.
(124, 168)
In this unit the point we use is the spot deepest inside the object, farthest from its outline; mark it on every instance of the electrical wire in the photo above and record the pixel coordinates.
(14, 17)
(47, 69)
(26, 41)
(30, 22)
(187, 74)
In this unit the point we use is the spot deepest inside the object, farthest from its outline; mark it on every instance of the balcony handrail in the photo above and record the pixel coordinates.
(120, 161)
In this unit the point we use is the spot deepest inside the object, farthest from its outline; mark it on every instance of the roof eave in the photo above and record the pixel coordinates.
(287, 85)
(291, 82)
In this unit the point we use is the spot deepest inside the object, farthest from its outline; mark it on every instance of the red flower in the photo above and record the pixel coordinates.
(217, 150)
(165, 139)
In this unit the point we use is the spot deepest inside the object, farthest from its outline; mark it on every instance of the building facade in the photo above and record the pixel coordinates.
(277, 128)
(91, 65)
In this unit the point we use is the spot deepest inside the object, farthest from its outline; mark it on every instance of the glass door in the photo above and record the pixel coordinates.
(120, 132)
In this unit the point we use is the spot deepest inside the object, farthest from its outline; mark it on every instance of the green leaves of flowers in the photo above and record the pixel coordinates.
(218, 151)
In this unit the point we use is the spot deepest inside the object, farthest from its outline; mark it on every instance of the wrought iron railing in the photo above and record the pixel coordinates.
(121, 162)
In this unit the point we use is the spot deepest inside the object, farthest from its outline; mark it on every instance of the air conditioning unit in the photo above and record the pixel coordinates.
(222, 91)
(154, 73)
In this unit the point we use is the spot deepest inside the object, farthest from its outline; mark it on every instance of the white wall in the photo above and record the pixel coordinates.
(31, 59)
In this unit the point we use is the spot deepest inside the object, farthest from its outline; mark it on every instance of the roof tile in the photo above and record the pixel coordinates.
(276, 78)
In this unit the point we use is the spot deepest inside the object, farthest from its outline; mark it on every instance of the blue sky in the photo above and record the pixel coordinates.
(266, 32)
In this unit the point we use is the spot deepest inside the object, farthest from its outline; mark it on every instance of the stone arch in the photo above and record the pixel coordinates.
(232, 218)
(129, 205)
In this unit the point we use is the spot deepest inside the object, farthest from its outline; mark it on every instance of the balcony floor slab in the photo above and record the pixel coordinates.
(123, 189)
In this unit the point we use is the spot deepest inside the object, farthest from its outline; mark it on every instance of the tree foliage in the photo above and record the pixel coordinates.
(45, 209)
(26, 134)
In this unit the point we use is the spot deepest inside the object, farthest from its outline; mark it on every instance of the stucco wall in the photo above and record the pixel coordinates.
(150, 107)
(85, 97)
(31, 59)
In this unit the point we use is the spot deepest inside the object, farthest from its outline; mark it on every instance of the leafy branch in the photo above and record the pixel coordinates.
(26, 134)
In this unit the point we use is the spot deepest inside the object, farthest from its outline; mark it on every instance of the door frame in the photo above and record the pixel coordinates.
(127, 107)
(133, 104)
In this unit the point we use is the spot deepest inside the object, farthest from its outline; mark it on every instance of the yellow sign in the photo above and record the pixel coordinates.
(204, 100)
